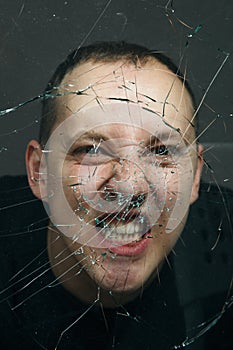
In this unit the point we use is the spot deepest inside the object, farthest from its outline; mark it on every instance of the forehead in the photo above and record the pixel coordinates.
(152, 86)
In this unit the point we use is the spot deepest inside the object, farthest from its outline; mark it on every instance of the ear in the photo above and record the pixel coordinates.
(197, 176)
(34, 168)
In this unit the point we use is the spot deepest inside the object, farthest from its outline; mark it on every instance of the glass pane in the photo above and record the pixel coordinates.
(104, 241)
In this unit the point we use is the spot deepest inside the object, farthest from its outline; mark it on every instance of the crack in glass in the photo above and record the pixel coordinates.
(115, 178)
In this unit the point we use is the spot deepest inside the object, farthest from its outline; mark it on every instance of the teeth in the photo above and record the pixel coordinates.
(110, 234)
(128, 229)
(128, 232)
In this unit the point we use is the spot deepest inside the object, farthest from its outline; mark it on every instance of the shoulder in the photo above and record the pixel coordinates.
(23, 220)
(18, 206)
(204, 265)
(204, 252)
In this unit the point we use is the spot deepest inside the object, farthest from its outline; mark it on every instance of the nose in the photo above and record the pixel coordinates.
(127, 185)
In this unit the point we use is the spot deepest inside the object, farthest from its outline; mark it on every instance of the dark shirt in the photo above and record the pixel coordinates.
(36, 312)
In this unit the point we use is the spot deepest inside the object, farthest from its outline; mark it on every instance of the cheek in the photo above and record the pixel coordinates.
(172, 187)
(77, 180)
(172, 210)
(86, 184)
(168, 188)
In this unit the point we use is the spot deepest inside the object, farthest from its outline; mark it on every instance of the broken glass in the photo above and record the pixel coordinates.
(189, 302)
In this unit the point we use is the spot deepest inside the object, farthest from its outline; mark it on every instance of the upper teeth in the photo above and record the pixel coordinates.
(129, 229)
(127, 232)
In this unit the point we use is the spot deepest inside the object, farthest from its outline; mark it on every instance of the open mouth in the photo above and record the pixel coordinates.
(124, 230)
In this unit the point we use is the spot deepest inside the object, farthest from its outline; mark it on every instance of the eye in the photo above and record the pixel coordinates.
(90, 154)
(159, 155)
(90, 149)
(158, 150)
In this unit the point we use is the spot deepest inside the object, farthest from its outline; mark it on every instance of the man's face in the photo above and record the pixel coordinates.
(121, 166)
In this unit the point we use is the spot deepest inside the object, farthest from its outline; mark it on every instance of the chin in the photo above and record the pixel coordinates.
(121, 275)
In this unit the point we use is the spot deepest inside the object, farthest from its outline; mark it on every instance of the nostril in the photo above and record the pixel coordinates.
(120, 198)
(110, 196)
(137, 200)
(128, 195)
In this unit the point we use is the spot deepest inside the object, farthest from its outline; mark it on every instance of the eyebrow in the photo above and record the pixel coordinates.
(96, 136)
(90, 135)
(162, 137)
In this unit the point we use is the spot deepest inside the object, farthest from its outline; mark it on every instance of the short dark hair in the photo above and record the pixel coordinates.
(109, 51)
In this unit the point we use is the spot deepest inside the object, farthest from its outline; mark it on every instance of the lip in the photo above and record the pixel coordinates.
(95, 237)
(133, 248)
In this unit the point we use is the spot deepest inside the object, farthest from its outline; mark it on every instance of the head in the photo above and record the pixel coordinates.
(117, 164)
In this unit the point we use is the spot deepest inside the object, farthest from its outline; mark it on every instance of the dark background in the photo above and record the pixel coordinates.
(36, 35)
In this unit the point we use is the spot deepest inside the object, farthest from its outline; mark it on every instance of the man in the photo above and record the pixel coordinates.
(116, 167)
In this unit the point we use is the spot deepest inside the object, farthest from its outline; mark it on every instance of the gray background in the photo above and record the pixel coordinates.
(36, 35)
